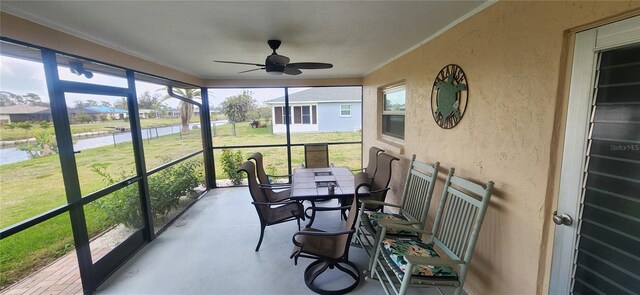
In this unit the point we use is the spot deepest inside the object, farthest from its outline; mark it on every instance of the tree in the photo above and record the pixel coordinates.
(78, 104)
(105, 104)
(121, 103)
(150, 101)
(262, 112)
(186, 109)
(8, 99)
(238, 107)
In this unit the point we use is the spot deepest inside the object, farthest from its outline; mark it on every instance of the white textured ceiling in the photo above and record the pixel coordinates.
(355, 36)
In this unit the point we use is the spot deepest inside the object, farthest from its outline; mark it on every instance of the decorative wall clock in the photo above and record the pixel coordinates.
(449, 96)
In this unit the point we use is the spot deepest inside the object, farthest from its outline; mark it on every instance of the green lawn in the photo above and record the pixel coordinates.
(32, 187)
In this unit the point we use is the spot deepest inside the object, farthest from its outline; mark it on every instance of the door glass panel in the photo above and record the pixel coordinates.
(101, 138)
(85, 71)
(113, 218)
(31, 252)
(30, 174)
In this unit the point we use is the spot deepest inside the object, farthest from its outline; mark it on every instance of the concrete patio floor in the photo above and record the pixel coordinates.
(210, 250)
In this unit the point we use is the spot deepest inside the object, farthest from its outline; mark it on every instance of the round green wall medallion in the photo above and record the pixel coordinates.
(449, 96)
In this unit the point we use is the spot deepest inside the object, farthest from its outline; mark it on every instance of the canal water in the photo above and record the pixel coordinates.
(13, 155)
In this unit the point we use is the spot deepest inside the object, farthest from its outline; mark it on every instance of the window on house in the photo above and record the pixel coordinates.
(393, 107)
(297, 115)
(345, 110)
(279, 115)
(306, 115)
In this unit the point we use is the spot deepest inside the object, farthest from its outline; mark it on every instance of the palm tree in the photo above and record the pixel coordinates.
(186, 109)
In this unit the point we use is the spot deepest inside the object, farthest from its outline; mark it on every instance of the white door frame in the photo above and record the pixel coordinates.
(587, 46)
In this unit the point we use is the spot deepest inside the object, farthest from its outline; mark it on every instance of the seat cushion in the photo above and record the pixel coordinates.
(375, 217)
(395, 251)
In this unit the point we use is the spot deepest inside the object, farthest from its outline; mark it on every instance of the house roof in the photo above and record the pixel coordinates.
(104, 109)
(24, 109)
(322, 95)
(82, 110)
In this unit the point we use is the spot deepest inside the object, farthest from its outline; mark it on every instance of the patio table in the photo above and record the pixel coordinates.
(312, 184)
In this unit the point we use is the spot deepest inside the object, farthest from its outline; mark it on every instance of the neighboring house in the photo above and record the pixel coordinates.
(73, 112)
(320, 109)
(147, 113)
(113, 113)
(24, 113)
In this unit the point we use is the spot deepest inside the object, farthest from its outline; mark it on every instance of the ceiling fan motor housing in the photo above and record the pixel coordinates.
(274, 69)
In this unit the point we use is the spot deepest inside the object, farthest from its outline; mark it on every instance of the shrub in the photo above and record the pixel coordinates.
(83, 118)
(45, 144)
(231, 161)
(166, 187)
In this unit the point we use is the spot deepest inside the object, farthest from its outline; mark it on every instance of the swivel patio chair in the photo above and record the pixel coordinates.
(330, 250)
(413, 208)
(270, 213)
(379, 185)
(316, 155)
(275, 191)
(400, 263)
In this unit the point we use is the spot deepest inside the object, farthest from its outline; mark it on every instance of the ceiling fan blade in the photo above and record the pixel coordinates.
(238, 63)
(310, 65)
(277, 59)
(250, 70)
(292, 71)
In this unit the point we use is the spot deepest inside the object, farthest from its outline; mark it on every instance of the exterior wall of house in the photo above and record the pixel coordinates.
(294, 128)
(517, 57)
(329, 118)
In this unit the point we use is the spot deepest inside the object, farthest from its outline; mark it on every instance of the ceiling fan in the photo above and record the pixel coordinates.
(277, 64)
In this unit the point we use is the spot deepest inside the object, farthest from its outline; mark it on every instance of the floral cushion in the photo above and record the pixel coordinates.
(396, 250)
(376, 217)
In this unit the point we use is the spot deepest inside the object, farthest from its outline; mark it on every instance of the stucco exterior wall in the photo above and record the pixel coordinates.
(515, 56)
(329, 118)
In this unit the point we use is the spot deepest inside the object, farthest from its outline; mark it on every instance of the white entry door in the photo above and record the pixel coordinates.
(597, 237)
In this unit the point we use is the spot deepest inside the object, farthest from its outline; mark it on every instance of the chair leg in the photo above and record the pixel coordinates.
(344, 214)
(298, 220)
(262, 226)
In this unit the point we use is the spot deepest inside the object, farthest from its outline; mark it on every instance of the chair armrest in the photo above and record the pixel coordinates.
(323, 233)
(329, 208)
(376, 202)
(275, 186)
(275, 203)
(432, 260)
(318, 234)
(379, 191)
(401, 226)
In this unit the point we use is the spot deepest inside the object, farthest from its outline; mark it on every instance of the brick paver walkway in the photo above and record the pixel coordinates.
(60, 277)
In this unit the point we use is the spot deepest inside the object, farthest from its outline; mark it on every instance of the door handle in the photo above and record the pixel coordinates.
(564, 218)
